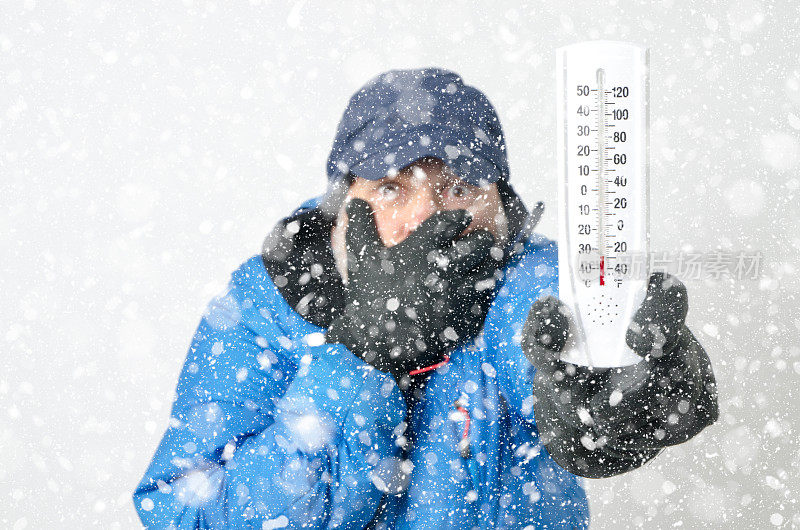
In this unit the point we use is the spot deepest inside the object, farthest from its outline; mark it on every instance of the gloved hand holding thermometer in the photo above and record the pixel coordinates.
(599, 422)
(619, 375)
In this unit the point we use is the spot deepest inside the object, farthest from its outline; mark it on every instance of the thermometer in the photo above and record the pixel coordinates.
(602, 121)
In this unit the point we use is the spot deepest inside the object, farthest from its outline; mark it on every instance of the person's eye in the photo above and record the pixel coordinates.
(388, 191)
(459, 191)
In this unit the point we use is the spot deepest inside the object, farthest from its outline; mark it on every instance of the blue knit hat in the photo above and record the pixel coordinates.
(401, 116)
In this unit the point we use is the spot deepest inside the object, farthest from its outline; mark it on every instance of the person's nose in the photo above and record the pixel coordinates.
(425, 202)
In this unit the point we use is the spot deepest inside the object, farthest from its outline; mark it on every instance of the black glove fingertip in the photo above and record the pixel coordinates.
(452, 223)
(657, 322)
(362, 231)
(471, 251)
(547, 326)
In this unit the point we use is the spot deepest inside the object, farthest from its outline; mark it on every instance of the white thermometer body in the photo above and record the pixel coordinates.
(603, 168)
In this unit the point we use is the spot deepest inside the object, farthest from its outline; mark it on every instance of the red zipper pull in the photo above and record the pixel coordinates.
(431, 367)
(464, 445)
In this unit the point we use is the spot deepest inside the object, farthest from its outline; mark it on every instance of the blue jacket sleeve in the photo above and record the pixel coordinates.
(270, 425)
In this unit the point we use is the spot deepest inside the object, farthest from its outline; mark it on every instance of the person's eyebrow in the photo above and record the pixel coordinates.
(455, 179)
(389, 178)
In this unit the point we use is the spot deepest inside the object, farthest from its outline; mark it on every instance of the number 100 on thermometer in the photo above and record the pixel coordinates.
(603, 190)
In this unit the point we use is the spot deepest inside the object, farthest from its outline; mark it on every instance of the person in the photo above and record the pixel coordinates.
(391, 358)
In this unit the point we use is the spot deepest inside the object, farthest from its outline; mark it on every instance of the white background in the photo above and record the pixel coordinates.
(146, 149)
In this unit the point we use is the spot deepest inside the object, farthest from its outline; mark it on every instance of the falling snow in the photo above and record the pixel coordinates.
(147, 150)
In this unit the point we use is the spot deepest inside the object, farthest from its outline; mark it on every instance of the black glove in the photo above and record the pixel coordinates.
(599, 422)
(407, 304)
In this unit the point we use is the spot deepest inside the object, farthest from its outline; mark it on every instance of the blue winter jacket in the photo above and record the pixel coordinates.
(272, 427)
